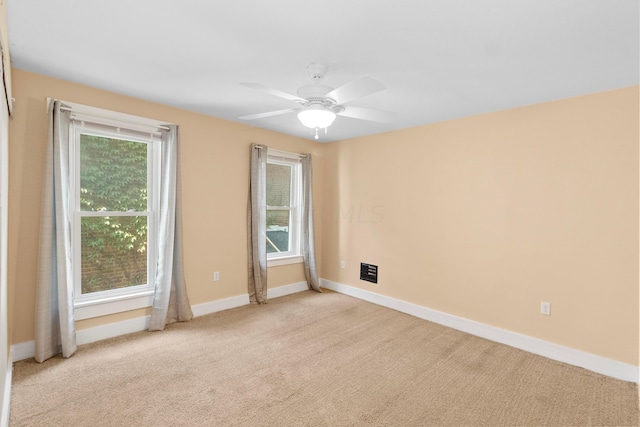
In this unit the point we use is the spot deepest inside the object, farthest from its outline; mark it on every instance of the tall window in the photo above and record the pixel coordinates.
(115, 205)
(283, 199)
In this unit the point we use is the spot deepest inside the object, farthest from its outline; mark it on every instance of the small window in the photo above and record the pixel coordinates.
(283, 213)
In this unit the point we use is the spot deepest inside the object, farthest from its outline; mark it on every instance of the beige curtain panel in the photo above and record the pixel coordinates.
(257, 226)
(55, 325)
(170, 302)
(308, 240)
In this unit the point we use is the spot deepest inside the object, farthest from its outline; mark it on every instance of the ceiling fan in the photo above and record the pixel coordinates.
(319, 104)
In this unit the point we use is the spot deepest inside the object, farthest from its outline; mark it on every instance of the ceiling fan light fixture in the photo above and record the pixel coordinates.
(316, 117)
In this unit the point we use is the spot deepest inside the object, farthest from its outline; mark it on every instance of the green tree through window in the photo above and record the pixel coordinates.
(113, 179)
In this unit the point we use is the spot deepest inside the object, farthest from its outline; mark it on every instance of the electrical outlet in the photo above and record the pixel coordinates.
(545, 308)
(342, 264)
(216, 276)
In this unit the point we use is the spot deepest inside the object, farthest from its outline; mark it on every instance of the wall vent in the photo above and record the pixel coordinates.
(369, 272)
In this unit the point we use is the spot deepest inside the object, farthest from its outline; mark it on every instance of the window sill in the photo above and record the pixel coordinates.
(274, 262)
(111, 305)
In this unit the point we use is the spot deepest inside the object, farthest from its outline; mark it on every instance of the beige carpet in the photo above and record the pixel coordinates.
(312, 360)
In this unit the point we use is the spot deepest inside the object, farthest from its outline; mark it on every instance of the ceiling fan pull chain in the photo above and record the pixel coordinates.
(317, 133)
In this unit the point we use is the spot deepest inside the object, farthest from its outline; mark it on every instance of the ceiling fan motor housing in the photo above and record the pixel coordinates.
(314, 94)
(314, 91)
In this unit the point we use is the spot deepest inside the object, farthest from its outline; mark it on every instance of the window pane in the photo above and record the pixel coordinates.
(277, 231)
(278, 185)
(113, 174)
(114, 252)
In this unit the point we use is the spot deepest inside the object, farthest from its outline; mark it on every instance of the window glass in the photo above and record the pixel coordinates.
(277, 231)
(278, 185)
(113, 174)
(114, 252)
(282, 222)
(114, 214)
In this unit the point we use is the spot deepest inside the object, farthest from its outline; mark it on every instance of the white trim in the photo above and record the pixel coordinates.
(220, 305)
(275, 262)
(295, 214)
(23, 350)
(281, 291)
(27, 349)
(6, 395)
(241, 300)
(5, 357)
(592, 362)
(96, 114)
(287, 155)
(118, 304)
(112, 330)
(125, 299)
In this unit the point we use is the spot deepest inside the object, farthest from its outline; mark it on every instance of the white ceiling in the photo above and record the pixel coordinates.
(439, 60)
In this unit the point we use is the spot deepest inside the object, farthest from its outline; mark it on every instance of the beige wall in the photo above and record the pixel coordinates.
(482, 217)
(486, 216)
(214, 161)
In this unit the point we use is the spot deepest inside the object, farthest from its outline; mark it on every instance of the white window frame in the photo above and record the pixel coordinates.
(294, 254)
(93, 121)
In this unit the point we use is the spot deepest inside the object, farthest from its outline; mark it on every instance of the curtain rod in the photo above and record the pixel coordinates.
(75, 110)
(260, 147)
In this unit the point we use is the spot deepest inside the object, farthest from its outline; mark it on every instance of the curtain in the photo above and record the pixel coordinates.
(308, 240)
(257, 224)
(170, 302)
(55, 328)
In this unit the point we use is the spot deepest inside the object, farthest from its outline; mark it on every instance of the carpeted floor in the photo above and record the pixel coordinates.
(313, 359)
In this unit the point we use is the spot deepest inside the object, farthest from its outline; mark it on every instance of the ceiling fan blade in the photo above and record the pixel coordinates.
(275, 92)
(370, 114)
(358, 88)
(268, 114)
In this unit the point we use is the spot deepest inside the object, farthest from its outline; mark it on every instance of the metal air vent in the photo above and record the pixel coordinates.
(369, 272)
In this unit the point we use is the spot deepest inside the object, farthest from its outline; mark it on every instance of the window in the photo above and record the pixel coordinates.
(283, 211)
(114, 204)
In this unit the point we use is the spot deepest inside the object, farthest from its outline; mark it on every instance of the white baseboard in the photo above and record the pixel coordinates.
(112, 330)
(6, 395)
(281, 291)
(23, 350)
(240, 300)
(592, 362)
(26, 350)
(219, 305)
